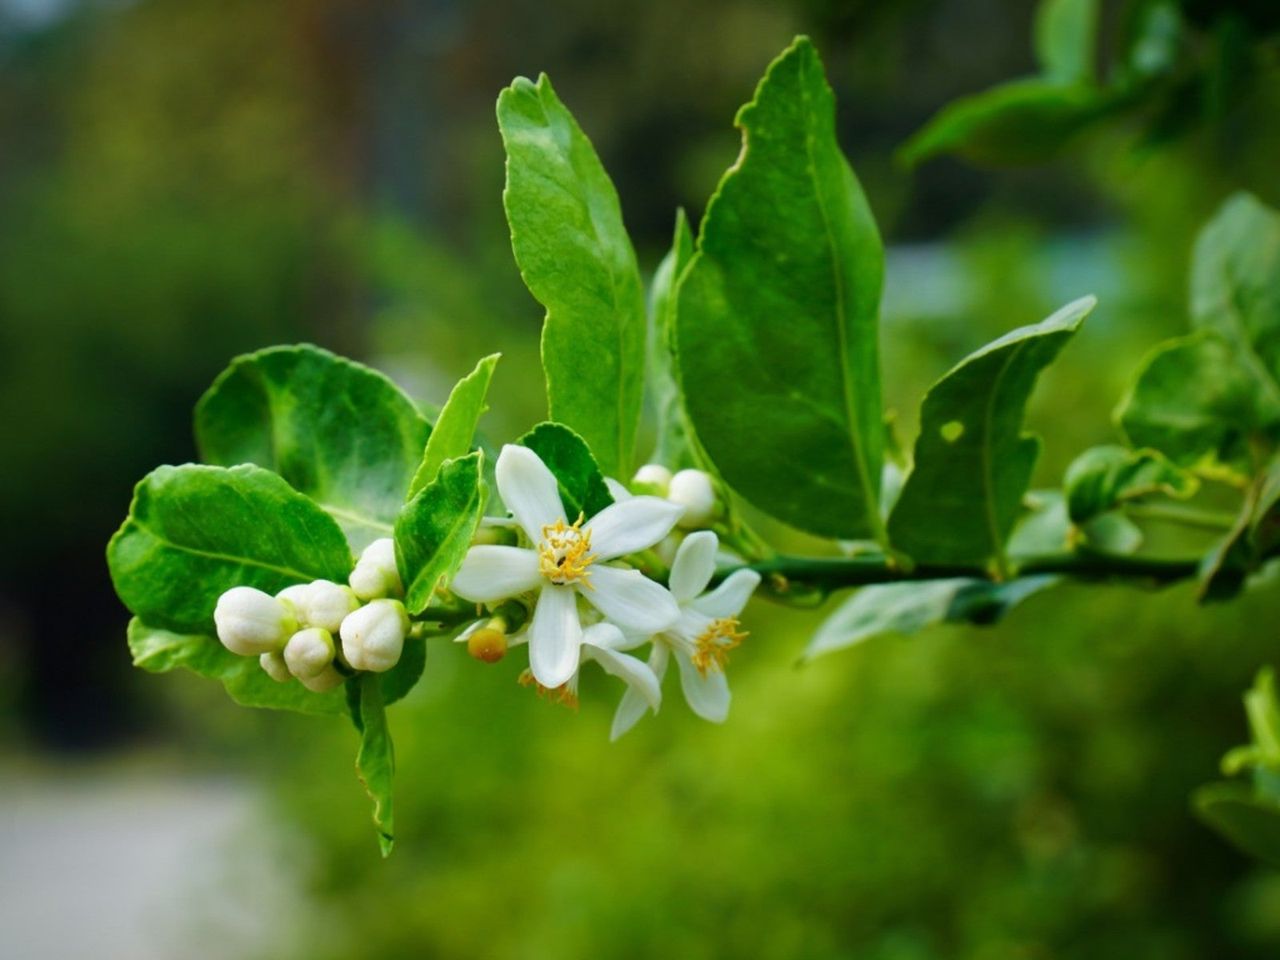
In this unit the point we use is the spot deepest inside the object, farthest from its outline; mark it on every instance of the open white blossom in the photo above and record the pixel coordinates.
(568, 560)
(701, 638)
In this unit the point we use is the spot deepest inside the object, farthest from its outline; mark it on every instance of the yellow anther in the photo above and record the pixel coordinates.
(565, 553)
(561, 694)
(712, 647)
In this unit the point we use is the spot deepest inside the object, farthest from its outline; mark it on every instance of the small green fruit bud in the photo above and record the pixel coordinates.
(273, 663)
(325, 682)
(373, 636)
(250, 622)
(653, 479)
(309, 652)
(695, 491)
(375, 574)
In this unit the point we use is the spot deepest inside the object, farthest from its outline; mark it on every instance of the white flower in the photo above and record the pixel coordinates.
(321, 603)
(309, 652)
(568, 561)
(251, 623)
(373, 636)
(273, 663)
(696, 493)
(701, 638)
(375, 574)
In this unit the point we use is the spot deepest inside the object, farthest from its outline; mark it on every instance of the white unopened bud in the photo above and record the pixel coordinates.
(653, 479)
(296, 597)
(309, 652)
(375, 574)
(325, 681)
(251, 623)
(695, 491)
(273, 663)
(328, 603)
(373, 636)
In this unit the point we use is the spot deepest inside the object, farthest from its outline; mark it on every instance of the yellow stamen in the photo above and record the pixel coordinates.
(713, 646)
(565, 553)
(561, 695)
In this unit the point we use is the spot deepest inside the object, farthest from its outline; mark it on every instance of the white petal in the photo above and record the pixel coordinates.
(528, 489)
(471, 628)
(631, 600)
(494, 573)
(694, 564)
(728, 599)
(617, 490)
(631, 525)
(555, 636)
(605, 635)
(708, 696)
(632, 671)
(632, 706)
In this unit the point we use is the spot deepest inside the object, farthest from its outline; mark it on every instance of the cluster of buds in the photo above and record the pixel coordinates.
(693, 490)
(292, 634)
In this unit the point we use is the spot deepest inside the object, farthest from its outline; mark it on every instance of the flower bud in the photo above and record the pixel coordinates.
(250, 622)
(653, 479)
(375, 574)
(325, 681)
(327, 604)
(695, 491)
(273, 663)
(309, 652)
(296, 597)
(373, 636)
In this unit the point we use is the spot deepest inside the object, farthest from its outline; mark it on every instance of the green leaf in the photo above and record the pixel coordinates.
(404, 676)
(159, 651)
(376, 761)
(776, 324)
(674, 447)
(906, 608)
(576, 259)
(194, 532)
(1021, 122)
(1251, 822)
(1253, 538)
(582, 487)
(456, 426)
(1102, 478)
(972, 461)
(1065, 33)
(436, 527)
(343, 434)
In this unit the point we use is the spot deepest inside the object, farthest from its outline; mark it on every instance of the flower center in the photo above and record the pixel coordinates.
(711, 649)
(562, 694)
(565, 553)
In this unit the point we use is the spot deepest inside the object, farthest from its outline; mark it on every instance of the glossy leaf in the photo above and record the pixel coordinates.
(375, 761)
(455, 427)
(1102, 478)
(576, 259)
(339, 432)
(1251, 822)
(436, 527)
(194, 532)
(1065, 36)
(674, 445)
(776, 324)
(972, 461)
(582, 487)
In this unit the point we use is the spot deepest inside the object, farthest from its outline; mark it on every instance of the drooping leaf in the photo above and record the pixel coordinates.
(456, 426)
(972, 461)
(194, 532)
(1102, 478)
(906, 608)
(1065, 34)
(582, 487)
(159, 651)
(673, 448)
(776, 323)
(576, 259)
(435, 529)
(342, 434)
(1251, 822)
(375, 761)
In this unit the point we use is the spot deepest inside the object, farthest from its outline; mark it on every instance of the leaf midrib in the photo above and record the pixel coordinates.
(224, 557)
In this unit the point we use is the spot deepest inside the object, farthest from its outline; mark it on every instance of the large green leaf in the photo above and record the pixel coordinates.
(194, 532)
(776, 325)
(1102, 478)
(376, 760)
(577, 260)
(674, 446)
(343, 434)
(159, 651)
(972, 461)
(1250, 821)
(456, 426)
(582, 487)
(1065, 33)
(436, 527)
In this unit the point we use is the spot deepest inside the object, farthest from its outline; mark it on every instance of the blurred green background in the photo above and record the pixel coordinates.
(184, 180)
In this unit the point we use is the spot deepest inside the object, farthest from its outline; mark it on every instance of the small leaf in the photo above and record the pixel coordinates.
(1102, 478)
(972, 460)
(342, 434)
(456, 426)
(375, 762)
(1065, 34)
(776, 323)
(577, 260)
(582, 487)
(435, 529)
(1252, 539)
(194, 532)
(674, 447)
(1249, 821)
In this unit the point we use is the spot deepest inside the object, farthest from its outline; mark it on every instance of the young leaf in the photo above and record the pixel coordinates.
(194, 532)
(582, 487)
(1102, 478)
(972, 461)
(1253, 538)
(1065, 33)
(1251, 822)
(159, 651)
(776, 329)
(376, 761)
(673, 448)
(576, 259)
(456, 426)
(343, 434)
(435, 529)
